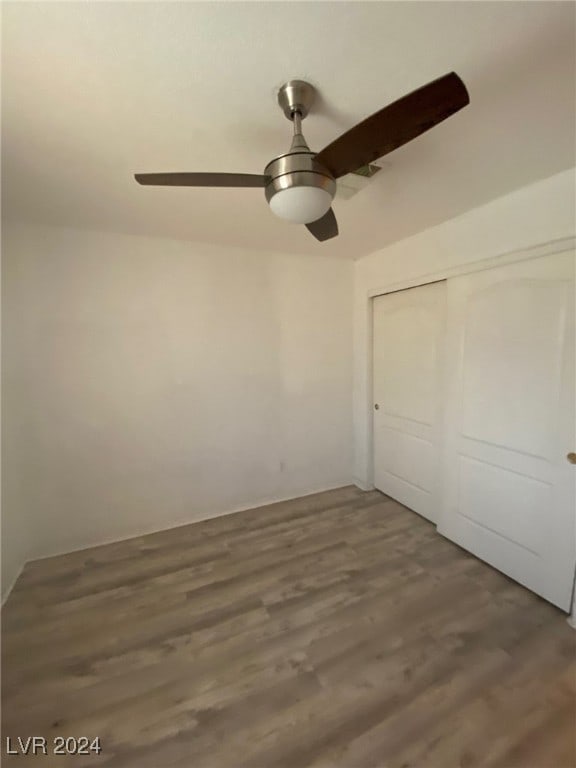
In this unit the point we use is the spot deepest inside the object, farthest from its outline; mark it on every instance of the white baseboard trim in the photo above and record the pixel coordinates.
(202, 517)
(363, 485)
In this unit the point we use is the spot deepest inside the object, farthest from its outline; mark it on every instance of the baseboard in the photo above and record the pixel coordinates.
(180, 524)
(363, 485)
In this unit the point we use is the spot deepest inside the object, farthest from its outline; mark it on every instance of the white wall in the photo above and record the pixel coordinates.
(533, 215)
(16, 524)
(150, 383)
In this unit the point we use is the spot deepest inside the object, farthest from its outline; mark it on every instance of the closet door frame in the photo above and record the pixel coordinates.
(512, 257)
(546, 249)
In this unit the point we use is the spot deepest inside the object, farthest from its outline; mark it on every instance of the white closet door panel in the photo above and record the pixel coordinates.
(406, 352)
(408, 494)
(408, 359)
(508, 487)
(505, 502)
(408, 457)
(513, 339)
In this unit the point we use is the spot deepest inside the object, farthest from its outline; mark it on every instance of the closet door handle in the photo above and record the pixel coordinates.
(571, 458)
(376, 407)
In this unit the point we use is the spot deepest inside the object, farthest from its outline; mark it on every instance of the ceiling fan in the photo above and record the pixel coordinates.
(300, 184)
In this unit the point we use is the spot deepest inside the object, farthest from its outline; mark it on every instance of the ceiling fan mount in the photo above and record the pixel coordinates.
(299, 185)
(296, 96)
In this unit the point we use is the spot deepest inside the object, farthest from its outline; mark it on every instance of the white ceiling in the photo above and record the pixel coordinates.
(95, 91)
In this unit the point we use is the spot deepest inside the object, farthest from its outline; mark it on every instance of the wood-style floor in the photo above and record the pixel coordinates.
(336, 631)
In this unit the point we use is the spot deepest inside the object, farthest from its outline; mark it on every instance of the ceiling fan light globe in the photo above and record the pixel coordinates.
(302, 204)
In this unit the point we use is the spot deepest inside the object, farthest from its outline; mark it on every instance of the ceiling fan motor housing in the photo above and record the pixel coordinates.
(297, 169)
(298, 188)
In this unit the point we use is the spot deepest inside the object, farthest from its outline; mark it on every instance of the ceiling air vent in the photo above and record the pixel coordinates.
(349, 185)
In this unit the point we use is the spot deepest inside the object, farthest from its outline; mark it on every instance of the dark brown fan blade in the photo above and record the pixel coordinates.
(395, 125)
(324, 228)
(202, 179)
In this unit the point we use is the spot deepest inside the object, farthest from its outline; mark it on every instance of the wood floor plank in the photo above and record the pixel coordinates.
(338, 630)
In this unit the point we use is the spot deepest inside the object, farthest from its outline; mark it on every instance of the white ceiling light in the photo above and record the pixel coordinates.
(302, 205)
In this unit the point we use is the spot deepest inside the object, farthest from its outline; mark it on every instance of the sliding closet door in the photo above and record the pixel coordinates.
(508, 482)
(408, 354)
